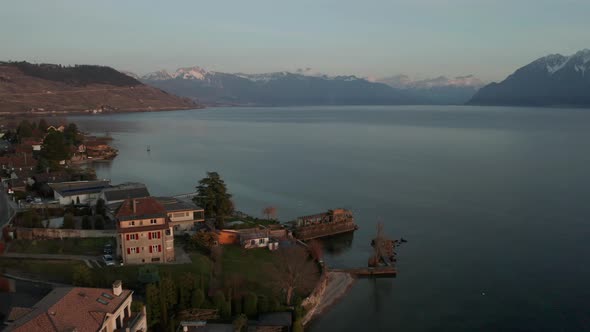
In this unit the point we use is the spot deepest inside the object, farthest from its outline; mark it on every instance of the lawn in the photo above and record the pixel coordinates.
(69, 246)
(51, 270)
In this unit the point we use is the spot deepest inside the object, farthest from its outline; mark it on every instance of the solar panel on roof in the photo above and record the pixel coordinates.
(108, 296)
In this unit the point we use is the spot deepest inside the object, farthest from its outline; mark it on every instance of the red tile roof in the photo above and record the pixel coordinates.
(146, 207)
(67, 308)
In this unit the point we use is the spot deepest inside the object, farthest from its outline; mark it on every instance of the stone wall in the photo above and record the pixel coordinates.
(57, 233)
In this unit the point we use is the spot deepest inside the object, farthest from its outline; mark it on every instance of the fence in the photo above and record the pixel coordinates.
(57, 233)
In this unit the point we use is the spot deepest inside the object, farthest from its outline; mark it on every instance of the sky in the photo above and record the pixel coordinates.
(420, 38)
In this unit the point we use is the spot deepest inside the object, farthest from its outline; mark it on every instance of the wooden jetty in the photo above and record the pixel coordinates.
(386, 271)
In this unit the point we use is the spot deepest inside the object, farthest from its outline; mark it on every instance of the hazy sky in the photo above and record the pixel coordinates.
(423, 38)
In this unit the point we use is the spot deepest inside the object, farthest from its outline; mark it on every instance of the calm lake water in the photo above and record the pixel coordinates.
(493, 201)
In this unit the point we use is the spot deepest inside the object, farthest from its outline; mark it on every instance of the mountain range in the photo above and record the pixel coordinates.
(553, 80)
(305, 87)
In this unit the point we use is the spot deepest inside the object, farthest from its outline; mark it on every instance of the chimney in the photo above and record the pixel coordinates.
(117, 287)
(134, 202)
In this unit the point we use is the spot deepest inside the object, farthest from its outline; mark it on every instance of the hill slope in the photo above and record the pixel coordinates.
(48, 88)
(554, 80)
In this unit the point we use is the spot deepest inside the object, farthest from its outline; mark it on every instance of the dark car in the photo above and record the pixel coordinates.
(108, 249)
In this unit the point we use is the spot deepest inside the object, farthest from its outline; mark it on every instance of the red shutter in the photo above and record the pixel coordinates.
(128, 251)
(159, 235)
(137, 236)
(137, 250)
(159, 248)
(149, 235)
(127, 237)
(150, 249)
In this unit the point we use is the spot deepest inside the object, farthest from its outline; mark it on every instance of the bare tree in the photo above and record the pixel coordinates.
(270, 212)
(316, 250)
(294, 271)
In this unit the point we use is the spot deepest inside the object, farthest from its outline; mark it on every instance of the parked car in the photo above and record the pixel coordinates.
(37, 200)
(29, 199)
(108, 249)
(108, 260)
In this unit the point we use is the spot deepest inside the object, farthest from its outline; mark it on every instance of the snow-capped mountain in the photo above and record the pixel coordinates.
(439, 90)
(405, 82)
(159, 75)
(551, 80)
(191, 73)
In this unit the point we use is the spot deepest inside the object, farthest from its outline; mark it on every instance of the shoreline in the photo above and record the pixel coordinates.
(332, 287)
(17, 115)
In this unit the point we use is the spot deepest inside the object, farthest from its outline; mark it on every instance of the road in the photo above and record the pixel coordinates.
(6, 207)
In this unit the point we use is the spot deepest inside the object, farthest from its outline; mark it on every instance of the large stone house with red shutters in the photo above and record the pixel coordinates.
(144, 232)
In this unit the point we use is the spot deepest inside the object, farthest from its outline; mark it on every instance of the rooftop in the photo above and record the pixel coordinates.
(68, 309)
(140, 208)
(79, 187)
(172, 204)
(125, 191)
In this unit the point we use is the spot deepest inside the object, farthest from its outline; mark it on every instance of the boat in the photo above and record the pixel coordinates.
(148, 148)
(332, 222)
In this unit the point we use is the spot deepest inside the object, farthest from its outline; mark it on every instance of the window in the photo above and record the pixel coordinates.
(132, 223)
(154, 235)
(253, 242)
(168, 232)
(141, 223)
(261, 241)
(156, 259)
(153, 221)
(133, 250)
(154, 248)
(134, 236)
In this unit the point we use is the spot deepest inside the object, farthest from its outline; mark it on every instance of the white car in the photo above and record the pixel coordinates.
(108, 260)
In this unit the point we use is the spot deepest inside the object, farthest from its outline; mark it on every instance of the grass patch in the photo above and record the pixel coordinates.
(51, 270)
(252, 265)
(69, 246)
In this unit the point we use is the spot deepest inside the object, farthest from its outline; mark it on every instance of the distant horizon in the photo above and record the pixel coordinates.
(419, 38)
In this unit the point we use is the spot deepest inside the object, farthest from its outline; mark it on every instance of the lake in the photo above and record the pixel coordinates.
(494, 202)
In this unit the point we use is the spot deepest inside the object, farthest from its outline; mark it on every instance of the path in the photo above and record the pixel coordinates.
(337, 285)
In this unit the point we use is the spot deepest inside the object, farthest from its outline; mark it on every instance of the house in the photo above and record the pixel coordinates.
(80, 309)
(59, 128)
(78, 192)
(228, 236)
(33, 143)
(18, 161)
(119, 193)
(184, 215)
(144, 233)
(257, 239)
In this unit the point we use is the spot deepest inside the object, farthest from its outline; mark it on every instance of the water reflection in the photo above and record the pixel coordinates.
(338, 244)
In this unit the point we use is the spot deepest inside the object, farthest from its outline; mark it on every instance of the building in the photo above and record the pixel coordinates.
(144, 233)
(184, 215)
(78, 192)
(254, 240)
(330, 223)
(123, 191)
(81, 310)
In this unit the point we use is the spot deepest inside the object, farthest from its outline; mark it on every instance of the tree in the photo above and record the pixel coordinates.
(68, 222)
(152, 297)
(263, 305)
(31, 219)
(42, 125)
(212, 195)
(168, 291)
(197, 298)
(185, 287)
(98, 222)
(250, 304)
(316, 250)
(54, 147)
(71, 134)
(100, 208)
(240, 323)
(82, 276)
(294, 271)
(204, 240)
(25, 129)
(86, 223)
(270, 212)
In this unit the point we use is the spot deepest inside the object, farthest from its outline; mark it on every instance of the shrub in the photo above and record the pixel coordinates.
(250, 303)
